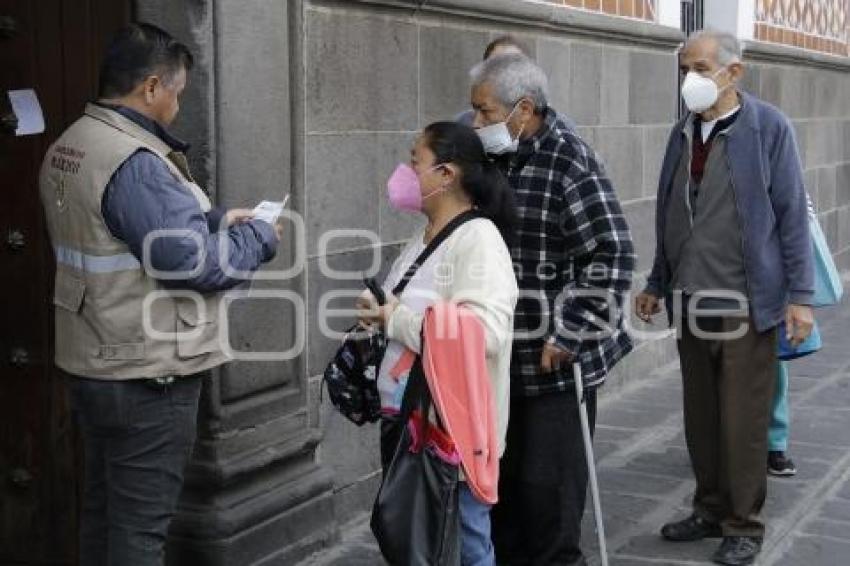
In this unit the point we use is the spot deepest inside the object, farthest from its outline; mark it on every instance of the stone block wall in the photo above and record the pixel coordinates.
(814, 92)
(323, 98)
(376, 73)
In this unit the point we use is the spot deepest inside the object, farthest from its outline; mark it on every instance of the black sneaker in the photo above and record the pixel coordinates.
(691, 529)
(779, 464)
(737, 551)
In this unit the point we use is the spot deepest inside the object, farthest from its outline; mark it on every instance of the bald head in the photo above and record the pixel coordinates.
(503, 45)
(717, 47)
(708, 51)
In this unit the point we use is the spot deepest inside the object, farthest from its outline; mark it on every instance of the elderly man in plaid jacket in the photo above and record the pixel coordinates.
(574, 258)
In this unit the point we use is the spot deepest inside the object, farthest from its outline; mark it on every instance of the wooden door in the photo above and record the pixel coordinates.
(52, 46)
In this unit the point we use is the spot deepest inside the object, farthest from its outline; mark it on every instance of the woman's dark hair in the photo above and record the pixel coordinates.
(480, 178)
(136, 52)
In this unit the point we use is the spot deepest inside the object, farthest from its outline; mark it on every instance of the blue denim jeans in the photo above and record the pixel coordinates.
(476, 546)
(777, 435)
(137, 439)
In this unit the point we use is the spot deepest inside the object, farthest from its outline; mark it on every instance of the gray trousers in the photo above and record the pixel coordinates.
(137, 440)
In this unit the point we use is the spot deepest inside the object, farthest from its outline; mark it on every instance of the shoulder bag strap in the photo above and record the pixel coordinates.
(447, 230)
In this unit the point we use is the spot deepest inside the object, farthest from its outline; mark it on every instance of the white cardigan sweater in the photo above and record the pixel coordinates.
(481, 279)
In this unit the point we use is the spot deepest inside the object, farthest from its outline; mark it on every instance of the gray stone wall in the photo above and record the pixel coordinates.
(254, 491)
(379, 71)
(376, 74)
(322, 98)
(814, 92)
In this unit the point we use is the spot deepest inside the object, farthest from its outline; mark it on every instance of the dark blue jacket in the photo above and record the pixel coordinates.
(767, 180)
(144, 195)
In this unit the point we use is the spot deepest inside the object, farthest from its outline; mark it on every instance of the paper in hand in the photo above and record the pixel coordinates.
(27, 109)
(270, 211)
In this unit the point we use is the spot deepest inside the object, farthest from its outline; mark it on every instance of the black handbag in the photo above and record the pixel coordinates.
(351, 377)
(416, 515)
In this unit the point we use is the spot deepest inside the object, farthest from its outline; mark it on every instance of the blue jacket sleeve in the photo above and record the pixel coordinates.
(143, 196)
(791, 209)
(215, 217)
(656, 282)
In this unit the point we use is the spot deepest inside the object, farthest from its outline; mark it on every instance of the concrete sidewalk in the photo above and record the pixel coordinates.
(646, 480)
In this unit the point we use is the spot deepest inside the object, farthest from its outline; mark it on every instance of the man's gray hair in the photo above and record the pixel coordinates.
(513, 76)
(728, 47)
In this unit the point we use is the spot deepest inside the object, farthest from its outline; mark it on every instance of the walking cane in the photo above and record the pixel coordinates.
(591, 463)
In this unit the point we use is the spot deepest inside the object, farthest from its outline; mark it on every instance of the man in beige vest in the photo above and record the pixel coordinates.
(140, 270)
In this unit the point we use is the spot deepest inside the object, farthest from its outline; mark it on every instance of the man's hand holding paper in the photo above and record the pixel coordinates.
(270, 211)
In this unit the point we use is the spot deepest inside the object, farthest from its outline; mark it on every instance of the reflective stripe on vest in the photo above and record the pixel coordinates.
(96, 263)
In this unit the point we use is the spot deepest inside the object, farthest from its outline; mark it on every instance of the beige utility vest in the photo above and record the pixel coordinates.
(113, 319)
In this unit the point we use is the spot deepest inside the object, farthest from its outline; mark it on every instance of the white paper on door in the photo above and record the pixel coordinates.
(26, 107)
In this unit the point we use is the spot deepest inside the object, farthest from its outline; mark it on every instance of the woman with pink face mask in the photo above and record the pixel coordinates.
(448, 176)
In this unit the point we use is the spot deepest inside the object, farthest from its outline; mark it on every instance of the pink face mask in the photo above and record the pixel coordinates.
(404, 189)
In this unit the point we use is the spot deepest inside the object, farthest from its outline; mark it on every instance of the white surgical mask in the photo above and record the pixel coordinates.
(497, 139)
(700, 93)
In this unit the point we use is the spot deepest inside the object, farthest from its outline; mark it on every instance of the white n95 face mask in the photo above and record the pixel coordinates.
(700, 93)
(497, 139)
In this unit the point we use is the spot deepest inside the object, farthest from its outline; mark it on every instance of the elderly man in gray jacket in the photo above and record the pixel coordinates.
(733, 261)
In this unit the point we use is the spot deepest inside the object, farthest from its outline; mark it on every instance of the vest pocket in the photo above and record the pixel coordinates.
(197, 327)
(122, 352)
(69, 291)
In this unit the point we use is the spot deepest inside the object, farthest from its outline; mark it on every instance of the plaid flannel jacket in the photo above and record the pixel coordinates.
(573, 257)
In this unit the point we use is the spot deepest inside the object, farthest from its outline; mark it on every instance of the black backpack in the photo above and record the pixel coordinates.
(352, 375)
